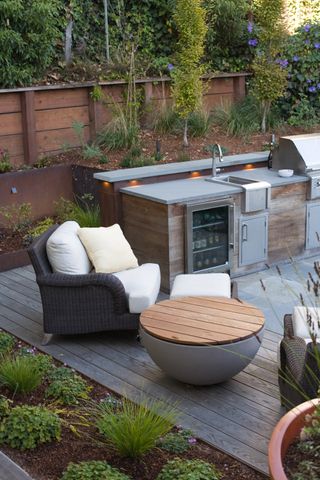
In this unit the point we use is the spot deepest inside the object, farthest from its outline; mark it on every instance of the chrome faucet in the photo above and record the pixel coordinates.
(215, 170)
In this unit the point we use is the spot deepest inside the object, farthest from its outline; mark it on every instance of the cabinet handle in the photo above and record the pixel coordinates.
(244, 233)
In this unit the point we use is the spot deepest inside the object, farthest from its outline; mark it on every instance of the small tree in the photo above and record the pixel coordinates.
(106, 28)
(270, 76)
(189, 17)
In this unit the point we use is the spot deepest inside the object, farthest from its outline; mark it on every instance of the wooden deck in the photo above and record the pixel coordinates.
(237, 416)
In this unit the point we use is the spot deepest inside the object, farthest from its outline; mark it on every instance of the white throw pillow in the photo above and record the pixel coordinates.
(107, 249)
(300, 324)
(66, 253)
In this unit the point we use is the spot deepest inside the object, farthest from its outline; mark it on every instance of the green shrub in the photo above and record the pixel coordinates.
(4, 407)
(177, 442)
(67, 387)
(7, 342)
(134, 429)
(166, 120)
(5, 165)
(20, 374)
(178, 469)
(227, 36)
(26, 427)
(82, 211)
(244, 118)
(123, 129)
(200, 122)
(16, 217)
(135, 158)
(89, 151)
(301, 104)
(93, 470)
(42, 162)
(43, 363)
(28, 36)
(40, 228)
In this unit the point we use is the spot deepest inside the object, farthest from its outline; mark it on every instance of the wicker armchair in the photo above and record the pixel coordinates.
(74, 304)
(299, 372)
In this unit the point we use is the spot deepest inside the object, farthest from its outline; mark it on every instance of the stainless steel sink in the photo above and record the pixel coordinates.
(255, 193)
(232, 180)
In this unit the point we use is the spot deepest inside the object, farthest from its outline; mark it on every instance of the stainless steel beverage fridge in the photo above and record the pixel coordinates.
(209, 236)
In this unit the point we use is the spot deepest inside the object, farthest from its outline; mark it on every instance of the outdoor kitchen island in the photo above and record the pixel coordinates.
(193, 225)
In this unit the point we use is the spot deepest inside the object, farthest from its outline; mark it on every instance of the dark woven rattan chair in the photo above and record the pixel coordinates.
(74, 304)
(299, 372)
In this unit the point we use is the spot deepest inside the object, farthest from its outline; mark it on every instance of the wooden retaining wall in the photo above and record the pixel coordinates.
(37, 121)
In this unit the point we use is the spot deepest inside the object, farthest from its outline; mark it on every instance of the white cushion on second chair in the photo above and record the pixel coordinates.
(142, 285)
(300, 324)
(201, 285)
(66, 253)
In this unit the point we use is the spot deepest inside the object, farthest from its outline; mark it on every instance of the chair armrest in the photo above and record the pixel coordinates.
(92, 279)
(234, 289)
(288, 326)
(292, 357)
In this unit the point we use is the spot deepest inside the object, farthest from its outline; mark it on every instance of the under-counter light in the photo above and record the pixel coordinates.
(106, 184)
(249, 166)
(134, 183)
(195, 174)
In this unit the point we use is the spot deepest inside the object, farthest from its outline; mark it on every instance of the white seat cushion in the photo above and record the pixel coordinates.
(301, 328)
(65, 252)
(108, 249)
(202, 285)
(142, 285)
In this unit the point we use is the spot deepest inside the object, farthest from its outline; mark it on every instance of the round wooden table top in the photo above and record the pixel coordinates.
(202, 320)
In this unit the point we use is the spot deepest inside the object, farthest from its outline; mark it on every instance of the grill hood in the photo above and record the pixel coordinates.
(300, 153)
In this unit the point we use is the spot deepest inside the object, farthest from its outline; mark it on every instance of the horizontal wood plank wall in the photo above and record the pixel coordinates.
(146, 227)
(36, 122)
(287, 221)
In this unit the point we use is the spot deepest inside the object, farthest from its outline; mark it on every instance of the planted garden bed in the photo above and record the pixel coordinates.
(75, 413)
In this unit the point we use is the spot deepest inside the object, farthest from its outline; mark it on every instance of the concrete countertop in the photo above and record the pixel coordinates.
(178, 167)
(191, 189)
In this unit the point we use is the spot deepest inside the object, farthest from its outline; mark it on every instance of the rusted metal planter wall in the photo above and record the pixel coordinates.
(37, 121)
(40, 187)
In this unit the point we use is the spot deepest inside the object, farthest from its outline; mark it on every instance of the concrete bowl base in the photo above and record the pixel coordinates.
(201, 364)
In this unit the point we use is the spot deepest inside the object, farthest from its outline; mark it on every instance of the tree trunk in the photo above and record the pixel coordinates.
(68, 43)
(185, 133)
(265, 111)
(106, 29)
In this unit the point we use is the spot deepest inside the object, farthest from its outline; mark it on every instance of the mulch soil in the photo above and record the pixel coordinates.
(48, 461)
(172, 150)
(10, 241)
(294, 457)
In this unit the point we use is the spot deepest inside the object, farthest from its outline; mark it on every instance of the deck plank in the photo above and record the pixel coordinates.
(237, 416)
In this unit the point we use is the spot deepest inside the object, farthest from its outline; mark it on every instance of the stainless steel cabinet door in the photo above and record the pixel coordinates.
(253, 238)
(313, 226)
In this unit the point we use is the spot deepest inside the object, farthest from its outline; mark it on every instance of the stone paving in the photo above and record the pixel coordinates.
(282, 290)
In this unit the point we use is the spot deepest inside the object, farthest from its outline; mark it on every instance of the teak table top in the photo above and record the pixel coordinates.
(202, 320)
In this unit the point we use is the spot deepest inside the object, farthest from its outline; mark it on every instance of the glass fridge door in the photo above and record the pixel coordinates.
(208, 243)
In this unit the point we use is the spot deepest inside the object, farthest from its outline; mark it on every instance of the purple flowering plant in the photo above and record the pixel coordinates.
(302, 101)
(252, 42)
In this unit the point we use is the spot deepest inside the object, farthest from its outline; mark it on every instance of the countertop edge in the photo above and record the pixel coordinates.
(178, 167)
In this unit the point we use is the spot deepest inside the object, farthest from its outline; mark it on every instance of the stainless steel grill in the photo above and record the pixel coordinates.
(300, 153)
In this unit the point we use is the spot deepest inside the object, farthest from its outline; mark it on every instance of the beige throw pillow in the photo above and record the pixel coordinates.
(107, 249)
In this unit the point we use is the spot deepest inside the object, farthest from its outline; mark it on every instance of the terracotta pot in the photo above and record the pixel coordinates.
(284, 434)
